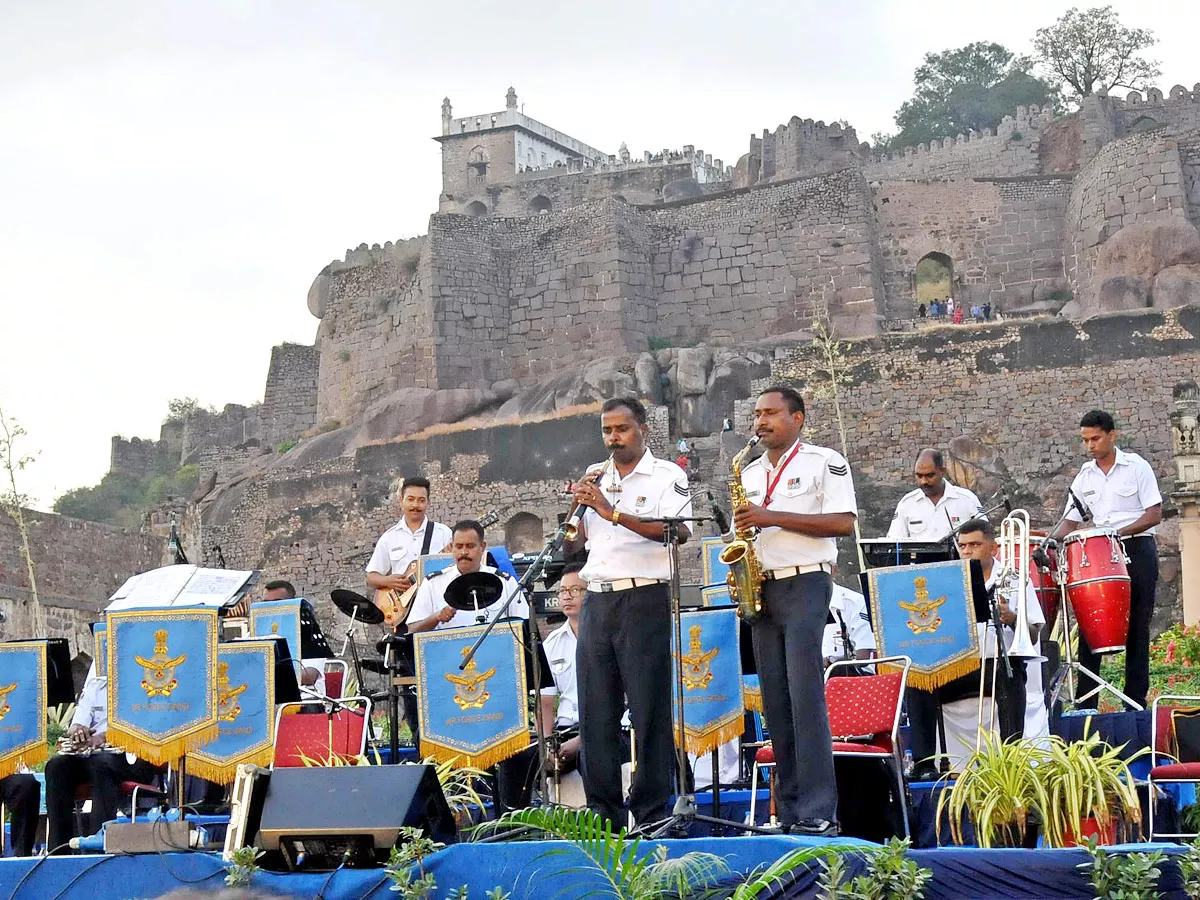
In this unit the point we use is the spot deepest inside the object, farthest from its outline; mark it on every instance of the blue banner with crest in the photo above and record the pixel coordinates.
(713, 704)
(245, 712)
(925, 612)
(22, 705)
(100, 645)
(162, 675)
(278, 617)
(479, 714)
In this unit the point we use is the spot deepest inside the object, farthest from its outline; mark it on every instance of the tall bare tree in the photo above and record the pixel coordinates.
(1091, 50)
(13, 502)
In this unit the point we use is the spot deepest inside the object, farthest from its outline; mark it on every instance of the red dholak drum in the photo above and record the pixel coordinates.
(1098, 587)
(1045, 581)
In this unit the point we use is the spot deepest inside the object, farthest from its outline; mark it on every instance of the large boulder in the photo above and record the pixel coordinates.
(410, 410)
(1121, 294)
(318, 295)
(695, 416)
(598, 380)
(691, 371)
(648, 379)
(730, 379)
(1146, 248)
(1177, 286)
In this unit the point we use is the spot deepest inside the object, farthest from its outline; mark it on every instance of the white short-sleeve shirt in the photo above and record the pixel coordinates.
(560, 647)
(919, 517)
(850, 607)
(816, 480)
(400, 545)
(431, 594)
(92, 709)
(654, 488)
(1119, 498)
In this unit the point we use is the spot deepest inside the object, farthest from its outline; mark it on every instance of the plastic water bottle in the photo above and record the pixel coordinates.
(908, 763)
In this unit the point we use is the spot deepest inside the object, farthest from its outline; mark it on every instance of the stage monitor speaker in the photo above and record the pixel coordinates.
(325, 810)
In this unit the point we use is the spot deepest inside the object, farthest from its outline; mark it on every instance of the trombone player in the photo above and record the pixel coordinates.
(1014, 700)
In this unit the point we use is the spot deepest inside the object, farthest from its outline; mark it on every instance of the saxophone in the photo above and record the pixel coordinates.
(745, 576)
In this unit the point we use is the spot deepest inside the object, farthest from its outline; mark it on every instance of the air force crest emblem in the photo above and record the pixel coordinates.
(227, 698)
(158, 671)
(4, 692)
(923, 617)
(471, 686)
(697, 662)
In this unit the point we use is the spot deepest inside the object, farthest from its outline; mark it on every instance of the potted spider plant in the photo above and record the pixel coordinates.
(1089, 792)
(999, 791)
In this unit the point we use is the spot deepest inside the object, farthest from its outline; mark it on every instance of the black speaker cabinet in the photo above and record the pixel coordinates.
(317, 809)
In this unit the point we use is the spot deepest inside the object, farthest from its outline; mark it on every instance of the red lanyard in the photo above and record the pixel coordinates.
(772, 483)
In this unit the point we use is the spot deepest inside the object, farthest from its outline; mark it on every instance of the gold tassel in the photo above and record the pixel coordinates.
(226, 773)
(485, 759)
(31, 757)
(160, 753)
(712, 739)
(754, 699)
(929, 681)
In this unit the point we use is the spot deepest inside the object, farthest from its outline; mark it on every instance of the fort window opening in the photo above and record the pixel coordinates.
(1145, 123)
(523, 533)
(477, 165)
(934, 279)
(539, 205)
(476, 209)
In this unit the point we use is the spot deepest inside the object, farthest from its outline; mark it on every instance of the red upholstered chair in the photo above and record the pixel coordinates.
(318, 737)
(864, 716)
(1172, 761)
(335, 678)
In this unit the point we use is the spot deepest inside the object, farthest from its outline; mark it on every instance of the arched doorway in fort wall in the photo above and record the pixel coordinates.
(476, 209)
(933, 279)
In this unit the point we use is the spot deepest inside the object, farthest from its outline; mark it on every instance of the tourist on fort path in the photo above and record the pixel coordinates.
(921, 311)
(987, 311)
(957, 316)
(977, 312)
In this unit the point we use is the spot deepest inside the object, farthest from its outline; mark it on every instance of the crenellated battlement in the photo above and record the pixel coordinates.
(801, 147)
(1177, 94)
(705, 168)
(1026, 121)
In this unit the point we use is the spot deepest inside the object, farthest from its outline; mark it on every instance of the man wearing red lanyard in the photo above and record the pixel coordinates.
(801, 497)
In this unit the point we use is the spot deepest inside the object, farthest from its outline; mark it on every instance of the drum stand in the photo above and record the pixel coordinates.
(1071, 666)
(684, 812)
(354, 658)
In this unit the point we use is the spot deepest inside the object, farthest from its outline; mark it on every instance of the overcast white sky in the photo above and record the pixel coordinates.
(173, 174)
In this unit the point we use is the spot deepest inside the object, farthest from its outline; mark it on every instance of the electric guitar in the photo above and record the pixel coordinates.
(395, 603)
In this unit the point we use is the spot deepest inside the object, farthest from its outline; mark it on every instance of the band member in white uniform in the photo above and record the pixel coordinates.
(848, 616)
(800, 497)
(625, 627)
(977, 540)
(429, 610)
(414, 535)
(936, 507)
(1120, 491)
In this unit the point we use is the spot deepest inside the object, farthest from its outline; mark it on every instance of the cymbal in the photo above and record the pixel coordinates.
(474, 590)
(350, 603)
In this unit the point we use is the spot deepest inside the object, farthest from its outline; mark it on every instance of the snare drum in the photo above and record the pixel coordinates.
(1045, 582)
(1098, 587)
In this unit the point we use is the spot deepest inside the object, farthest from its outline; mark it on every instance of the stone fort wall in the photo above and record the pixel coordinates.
(78, 565)
(289, 406)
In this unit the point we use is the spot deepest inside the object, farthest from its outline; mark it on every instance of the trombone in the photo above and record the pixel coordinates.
(1012, 581)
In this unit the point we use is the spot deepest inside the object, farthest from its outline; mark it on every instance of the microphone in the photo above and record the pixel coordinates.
(1078, 504)
(719, 516)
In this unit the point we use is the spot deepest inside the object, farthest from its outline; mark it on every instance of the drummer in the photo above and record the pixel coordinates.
(431, 609)
(1118, 491)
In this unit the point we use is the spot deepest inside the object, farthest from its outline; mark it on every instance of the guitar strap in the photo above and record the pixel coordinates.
(428, 541)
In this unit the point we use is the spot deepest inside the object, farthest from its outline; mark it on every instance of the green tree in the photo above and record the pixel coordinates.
(964, 90)
(1091, 50)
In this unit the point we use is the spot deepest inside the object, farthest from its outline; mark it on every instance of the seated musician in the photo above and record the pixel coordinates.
(20, 794)
(314, 649)
(960, 706)
(848, 619)
(429, 610)
(86, 763)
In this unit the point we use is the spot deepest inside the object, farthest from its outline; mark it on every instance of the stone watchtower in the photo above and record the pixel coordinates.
(491, 149)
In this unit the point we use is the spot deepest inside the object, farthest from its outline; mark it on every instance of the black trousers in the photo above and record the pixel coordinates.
(20, 795)
(103, 772)
(787, 647)
(624, 652)
(1143, 581)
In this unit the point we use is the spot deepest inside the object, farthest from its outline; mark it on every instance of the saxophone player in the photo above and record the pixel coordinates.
(624, 638)
(800, 497)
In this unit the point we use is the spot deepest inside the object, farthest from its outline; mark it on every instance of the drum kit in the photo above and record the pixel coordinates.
(472, 592)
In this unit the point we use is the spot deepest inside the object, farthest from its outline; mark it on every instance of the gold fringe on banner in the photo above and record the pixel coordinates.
(226, 773)
(161, 753)
(30, 757)
(711, 739)
(753, 699)
(929, 681)
(483, 760)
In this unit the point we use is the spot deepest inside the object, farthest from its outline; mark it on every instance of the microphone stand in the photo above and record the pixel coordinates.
(684, 811)
(535, 571)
